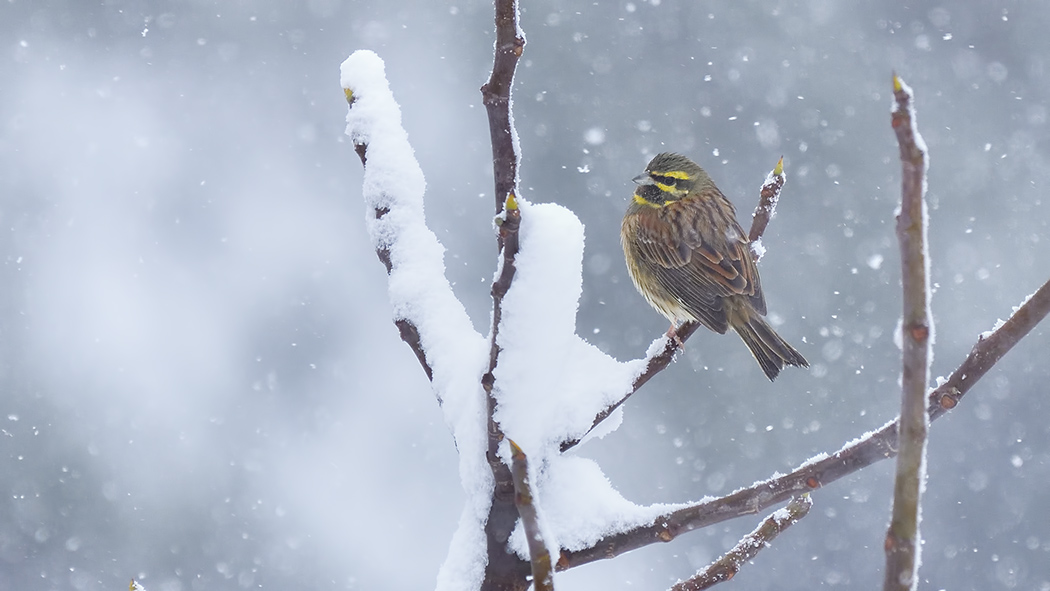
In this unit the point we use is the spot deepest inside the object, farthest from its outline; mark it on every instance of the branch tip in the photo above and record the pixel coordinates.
(515, 452)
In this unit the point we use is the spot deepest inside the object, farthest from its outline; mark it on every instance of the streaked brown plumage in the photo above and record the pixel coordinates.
(692, 261)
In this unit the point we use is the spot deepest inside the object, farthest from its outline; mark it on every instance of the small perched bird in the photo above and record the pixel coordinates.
(692, 261)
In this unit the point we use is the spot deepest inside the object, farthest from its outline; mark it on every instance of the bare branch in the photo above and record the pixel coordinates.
(542, 575)
(860, 453)
(510, 44)
(726, 567)
(902, 537)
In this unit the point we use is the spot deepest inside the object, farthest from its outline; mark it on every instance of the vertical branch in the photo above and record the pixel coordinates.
(503, 513)
(510, 43)
(769, 195)
(902, 539)
(504, 570)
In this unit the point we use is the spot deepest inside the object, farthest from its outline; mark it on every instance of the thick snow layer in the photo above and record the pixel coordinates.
(581, 507)
(420, 293)
(550, 383)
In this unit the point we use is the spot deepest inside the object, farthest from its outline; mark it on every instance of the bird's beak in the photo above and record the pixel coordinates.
(643, 179)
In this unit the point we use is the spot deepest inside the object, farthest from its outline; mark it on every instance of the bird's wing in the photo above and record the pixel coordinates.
(699, 273)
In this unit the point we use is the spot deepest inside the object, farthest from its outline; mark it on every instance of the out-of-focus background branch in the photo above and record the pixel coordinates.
(903, 540)
(196, 363)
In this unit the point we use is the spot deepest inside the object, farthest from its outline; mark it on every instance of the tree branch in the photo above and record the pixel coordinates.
(823, 470)
(406, 328)
(726, 567)
(769, 195)
(510, 43)
(659, 359)
(503, 569)
(902, 538)
(502, 512)
(540, 557)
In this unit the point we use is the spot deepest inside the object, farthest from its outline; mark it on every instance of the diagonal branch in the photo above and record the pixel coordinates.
(660, 358)
(823, 470)
(726, 567)
(902, 537)
(405, 327)
(540, 557)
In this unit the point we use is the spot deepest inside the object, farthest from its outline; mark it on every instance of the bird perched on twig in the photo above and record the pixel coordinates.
(691, 260)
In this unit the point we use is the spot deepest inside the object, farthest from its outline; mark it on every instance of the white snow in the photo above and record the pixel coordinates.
(875, 261)
(770, 180)
(758, 249)
(550, 383)
(999, 322)
(582, 507)
(420, 293)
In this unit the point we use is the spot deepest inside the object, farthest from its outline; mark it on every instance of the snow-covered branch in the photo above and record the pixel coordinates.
(902, 539)
(769, 196)
(426, 310)
(438, 330)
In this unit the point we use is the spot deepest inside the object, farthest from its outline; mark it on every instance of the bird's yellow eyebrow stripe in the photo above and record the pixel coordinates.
(675, 174)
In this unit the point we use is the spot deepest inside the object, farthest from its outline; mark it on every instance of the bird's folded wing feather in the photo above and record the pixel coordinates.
(699, 273)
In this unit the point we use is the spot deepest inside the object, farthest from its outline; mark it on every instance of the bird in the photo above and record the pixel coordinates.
(688, 256)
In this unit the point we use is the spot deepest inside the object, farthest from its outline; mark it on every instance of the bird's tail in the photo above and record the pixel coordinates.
(770, 350)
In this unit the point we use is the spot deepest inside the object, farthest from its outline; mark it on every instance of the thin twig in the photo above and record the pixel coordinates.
(767, 202)
(902, 537)
(540, 557)
(726, 567)
(863, 452)
(989, 349)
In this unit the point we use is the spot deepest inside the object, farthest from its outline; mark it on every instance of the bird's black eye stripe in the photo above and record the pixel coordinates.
(664, 180)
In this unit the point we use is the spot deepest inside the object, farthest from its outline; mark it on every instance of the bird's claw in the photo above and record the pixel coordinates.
(672, 335)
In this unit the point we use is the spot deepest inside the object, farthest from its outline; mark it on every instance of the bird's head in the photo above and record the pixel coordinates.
(668, 177)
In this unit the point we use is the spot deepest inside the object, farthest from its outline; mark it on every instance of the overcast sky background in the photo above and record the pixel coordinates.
(200, 384)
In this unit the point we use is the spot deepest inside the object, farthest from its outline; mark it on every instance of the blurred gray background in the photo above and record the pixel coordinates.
(199, 381)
